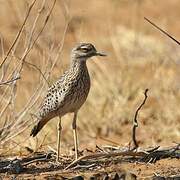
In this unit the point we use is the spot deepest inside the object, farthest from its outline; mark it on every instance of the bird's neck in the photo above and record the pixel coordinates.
(78, 65)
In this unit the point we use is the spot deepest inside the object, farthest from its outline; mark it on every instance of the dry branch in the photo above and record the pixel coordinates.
(19, 33)
(105, 155)
(135, 122)
(167, 34)
(43, 27)
(38, 69)
(9, 81)
(20, 124)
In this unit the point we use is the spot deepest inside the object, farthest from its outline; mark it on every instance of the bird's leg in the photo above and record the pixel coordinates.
(59, 127)
(75, 135)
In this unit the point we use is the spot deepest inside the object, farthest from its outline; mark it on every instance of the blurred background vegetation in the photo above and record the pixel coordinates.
(139, 57)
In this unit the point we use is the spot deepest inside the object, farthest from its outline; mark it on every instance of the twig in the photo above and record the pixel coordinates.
(52, 149)
(23, 58)
(19, 33)
(38, 69)
(162, 31)
(105, 155)
(31, 43)
(17, 165)
(61, 44)
(9, 81)
(18, 122)
(153, 156)
(42, 29)
(41, 144)
(97, 147)
(31, 160)
(85, 166)
(135, 122)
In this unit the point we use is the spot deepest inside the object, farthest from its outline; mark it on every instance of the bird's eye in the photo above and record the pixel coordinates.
(84, 49)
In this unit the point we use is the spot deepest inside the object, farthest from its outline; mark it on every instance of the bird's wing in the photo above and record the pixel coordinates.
(54, 98)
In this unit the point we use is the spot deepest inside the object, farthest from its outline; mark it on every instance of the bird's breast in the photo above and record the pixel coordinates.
(80, 89)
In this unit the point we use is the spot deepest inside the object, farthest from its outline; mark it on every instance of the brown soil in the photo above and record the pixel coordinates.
(163, 168)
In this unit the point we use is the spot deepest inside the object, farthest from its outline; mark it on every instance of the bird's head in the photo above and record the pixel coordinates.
(83, 51)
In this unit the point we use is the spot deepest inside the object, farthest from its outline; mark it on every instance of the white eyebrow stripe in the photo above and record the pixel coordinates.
(84, 47)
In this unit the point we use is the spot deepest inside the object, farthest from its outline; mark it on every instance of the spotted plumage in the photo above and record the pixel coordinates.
(70, 91)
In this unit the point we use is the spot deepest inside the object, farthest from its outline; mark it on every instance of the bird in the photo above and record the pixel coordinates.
(68, 93)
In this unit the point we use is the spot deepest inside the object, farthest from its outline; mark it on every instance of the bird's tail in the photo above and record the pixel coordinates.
(37, 128)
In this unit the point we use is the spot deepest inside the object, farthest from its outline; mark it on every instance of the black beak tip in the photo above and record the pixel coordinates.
(100, 54)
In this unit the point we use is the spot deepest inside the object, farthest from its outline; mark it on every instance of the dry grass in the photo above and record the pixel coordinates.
(138, 58)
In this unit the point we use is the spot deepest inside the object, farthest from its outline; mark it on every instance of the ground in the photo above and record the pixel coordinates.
(109, 162)
(163, 168)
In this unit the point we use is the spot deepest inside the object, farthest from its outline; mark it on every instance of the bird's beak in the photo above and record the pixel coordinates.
(100, 54)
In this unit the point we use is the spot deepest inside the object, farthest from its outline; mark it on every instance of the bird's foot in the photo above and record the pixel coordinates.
(59, 160)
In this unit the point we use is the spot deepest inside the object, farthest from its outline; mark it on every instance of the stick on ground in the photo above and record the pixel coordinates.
(135, 122)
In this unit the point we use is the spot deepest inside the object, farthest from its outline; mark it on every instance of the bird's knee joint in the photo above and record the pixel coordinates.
(59, 127)
(74, 125)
